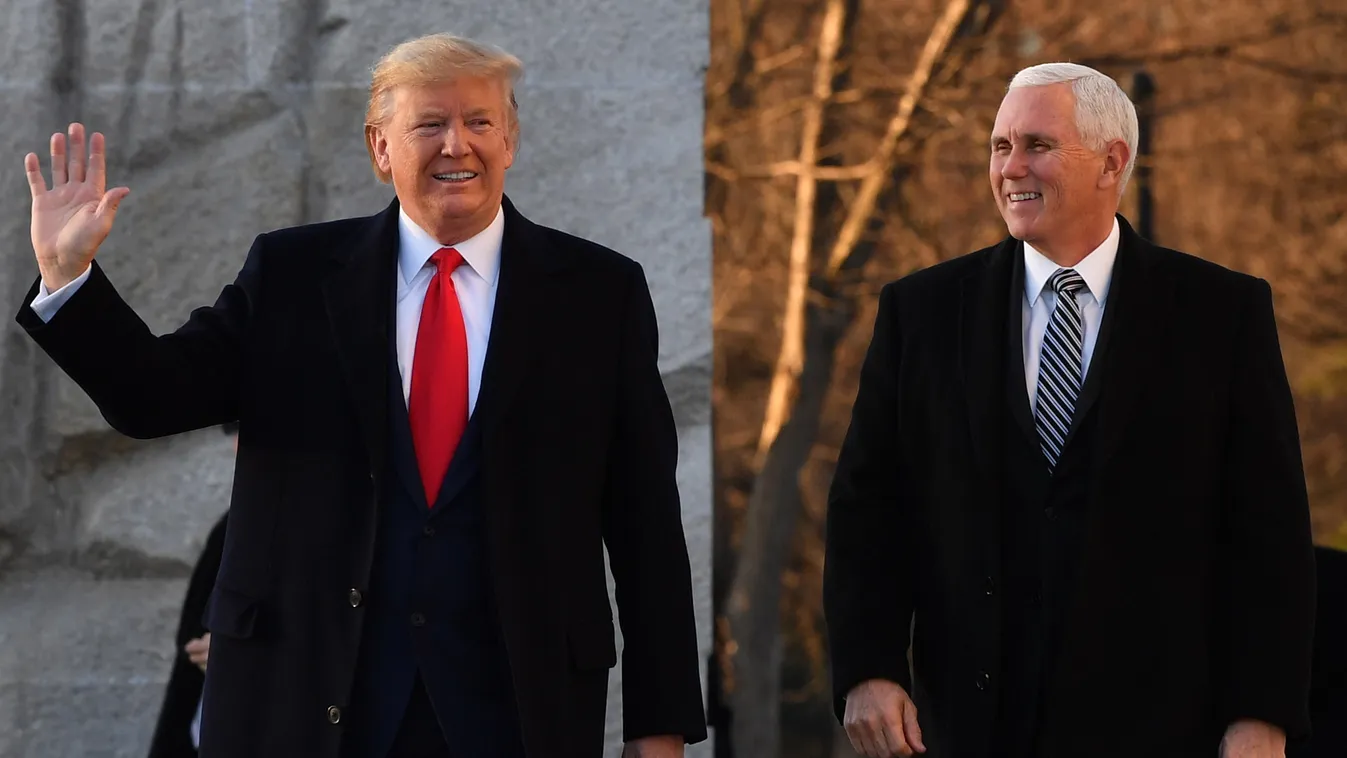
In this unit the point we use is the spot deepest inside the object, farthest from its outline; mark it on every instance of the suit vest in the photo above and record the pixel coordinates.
(431, 610)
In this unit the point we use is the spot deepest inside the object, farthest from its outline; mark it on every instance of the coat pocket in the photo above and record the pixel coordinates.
(231, 613)
(592, 646)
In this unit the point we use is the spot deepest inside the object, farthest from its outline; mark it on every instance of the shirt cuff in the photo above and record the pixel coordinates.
(46, 304)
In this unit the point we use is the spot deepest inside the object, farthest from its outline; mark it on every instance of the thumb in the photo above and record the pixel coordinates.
(107, 208)
(911, 728)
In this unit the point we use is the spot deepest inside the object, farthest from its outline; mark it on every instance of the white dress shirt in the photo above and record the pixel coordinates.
(1039, 300)
(475, 283)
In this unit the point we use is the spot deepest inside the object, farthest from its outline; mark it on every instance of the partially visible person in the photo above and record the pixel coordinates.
(1328, 680)
(178, 731)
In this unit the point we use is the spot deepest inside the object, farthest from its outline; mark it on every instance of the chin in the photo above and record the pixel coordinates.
(1020, 229)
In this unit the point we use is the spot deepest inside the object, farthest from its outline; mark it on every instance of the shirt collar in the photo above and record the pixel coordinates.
(1096, 268)
(481, 251)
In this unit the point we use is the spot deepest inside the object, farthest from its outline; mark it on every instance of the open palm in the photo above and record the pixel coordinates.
(72, 218)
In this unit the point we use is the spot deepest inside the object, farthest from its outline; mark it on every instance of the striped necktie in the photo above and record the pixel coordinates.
(1059, 366)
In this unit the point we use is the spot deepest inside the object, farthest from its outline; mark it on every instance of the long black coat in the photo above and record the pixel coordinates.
(579, 453)
(1196, 594)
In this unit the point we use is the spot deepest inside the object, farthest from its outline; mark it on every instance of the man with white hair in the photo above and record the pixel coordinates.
(446, 413)
(1072, 481)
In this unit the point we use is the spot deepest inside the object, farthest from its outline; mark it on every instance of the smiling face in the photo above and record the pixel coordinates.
(447, 147)
(1052, 190)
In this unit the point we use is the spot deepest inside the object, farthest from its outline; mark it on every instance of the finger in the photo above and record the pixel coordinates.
(911, 729)
(879, 746)
(33, 168)
(98, 167)
(59, 167)
(893, 737)
(861, 741)
(112, 200)
(77, 152)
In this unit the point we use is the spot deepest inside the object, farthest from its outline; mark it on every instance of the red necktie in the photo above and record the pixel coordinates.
(438, 403)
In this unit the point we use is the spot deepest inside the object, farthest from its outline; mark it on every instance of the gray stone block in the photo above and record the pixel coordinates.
(592, 43)
(159, 45)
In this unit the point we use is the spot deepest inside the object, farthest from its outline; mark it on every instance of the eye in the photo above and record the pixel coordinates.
(1041, 146)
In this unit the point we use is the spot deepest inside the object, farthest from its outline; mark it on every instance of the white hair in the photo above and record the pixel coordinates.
(1103, 111)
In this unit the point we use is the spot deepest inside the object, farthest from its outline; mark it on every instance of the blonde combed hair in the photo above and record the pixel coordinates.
(433, 59)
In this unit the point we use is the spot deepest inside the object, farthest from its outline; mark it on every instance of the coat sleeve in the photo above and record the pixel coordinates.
(1267, 623)
(146, 385)
(867, 582)
(643, 531)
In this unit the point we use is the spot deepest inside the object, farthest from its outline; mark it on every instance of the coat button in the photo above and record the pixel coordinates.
(983, 680)
(354, 597)
(1051, 513)
(333, 714)
(428, 530)
(989, 586)
(418, 619)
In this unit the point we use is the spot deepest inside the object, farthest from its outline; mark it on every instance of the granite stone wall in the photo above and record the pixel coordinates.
(229, 118)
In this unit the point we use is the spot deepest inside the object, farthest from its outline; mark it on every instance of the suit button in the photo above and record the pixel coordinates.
(354, 597)
(333, 714)
(983, 680)
(1051, 513)
(990, 586)
(428, 530)
(418, 620)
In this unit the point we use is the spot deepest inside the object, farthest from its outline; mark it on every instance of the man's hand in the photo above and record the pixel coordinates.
(70, 220)
(881, 720)
(1253, 739)
(663, 746)
(198, 650)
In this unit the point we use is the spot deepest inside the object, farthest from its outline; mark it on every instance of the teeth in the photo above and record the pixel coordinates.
(1017, 196)
(456, 175)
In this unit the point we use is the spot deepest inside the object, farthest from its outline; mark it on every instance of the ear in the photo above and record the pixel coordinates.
(378, 148)
(1116, 155)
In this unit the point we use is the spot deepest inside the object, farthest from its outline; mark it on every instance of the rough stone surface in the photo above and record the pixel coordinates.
(230, 119)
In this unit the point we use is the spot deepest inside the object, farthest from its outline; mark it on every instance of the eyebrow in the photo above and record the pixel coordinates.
(1029, 137)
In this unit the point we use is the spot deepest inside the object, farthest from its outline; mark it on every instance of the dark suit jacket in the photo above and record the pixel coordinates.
(1194, 605)
(172, 733)
(579, 452)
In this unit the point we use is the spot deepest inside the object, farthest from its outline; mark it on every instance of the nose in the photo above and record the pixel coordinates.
(1015, 165)
(455, 142)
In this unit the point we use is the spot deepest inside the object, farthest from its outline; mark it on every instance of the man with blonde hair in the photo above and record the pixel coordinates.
(446, 413)
(1072, 481)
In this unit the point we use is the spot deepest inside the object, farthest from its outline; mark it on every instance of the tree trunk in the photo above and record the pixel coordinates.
(754, 607)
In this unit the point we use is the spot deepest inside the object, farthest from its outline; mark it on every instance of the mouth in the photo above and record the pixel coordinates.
(456, 177)
(1022, 197)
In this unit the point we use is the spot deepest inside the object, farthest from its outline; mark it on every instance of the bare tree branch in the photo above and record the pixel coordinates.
(882, 164)
(792, 168)
(791, 357)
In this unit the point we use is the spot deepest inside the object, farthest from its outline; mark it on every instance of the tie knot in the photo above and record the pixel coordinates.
(1066, 282)
(446, 259)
